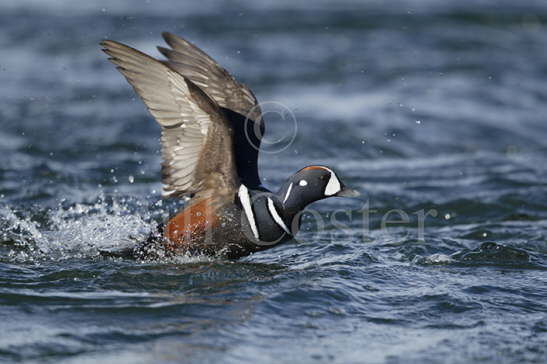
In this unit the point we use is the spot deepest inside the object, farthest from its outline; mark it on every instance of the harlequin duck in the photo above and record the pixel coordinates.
(209, 148)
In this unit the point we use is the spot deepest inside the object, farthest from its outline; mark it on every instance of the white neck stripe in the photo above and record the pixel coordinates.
(245, 199)
(288, 193)
(278, 220)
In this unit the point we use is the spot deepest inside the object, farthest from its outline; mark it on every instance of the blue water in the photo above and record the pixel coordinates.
(434, 109)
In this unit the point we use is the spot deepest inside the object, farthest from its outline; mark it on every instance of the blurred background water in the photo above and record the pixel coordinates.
(426, 106)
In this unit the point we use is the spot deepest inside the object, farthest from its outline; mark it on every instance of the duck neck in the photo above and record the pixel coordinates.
(291, 202)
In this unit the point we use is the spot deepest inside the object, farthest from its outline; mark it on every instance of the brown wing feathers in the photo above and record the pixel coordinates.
(196, 65)
(197, 148)
(236, 100)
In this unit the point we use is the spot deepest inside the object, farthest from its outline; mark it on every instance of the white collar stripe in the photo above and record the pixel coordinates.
(333, 186)
(245, 200)
(275, 215)
(288, 193)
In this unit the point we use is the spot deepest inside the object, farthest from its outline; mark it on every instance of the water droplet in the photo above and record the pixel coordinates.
(131, 179)
(418, 122)
(484, 235)
(447, 216)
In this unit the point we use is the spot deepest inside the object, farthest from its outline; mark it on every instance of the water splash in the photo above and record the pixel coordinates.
(79, 230)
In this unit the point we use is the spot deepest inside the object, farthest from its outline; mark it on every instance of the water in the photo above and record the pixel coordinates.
(436, 109)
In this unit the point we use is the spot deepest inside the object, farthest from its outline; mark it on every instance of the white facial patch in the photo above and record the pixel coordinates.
(333, 186)
(303, 182)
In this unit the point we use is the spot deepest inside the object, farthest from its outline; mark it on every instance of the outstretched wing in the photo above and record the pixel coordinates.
(196, 137)
(196, 65)
(239, 103)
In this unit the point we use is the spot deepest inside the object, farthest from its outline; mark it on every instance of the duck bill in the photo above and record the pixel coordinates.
(348, 192)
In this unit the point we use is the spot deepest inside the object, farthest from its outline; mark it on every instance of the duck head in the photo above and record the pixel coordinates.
(310, 184)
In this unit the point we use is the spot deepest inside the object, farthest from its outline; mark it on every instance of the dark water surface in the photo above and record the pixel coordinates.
(430, 107)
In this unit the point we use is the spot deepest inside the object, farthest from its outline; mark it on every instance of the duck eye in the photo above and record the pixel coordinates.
(303, 182)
